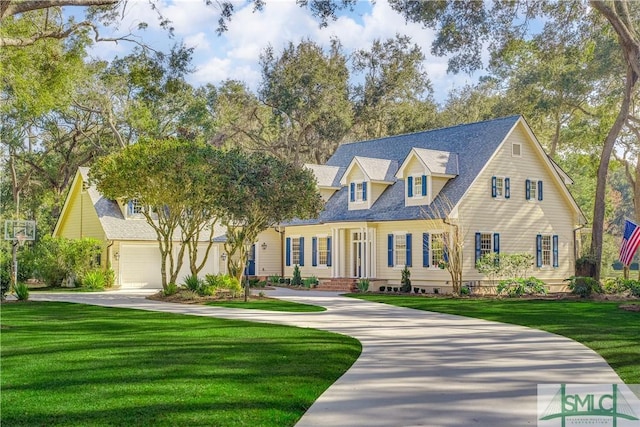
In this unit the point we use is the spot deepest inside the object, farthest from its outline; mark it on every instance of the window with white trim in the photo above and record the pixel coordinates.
(417, 186)
(400, 250)
(360, 192)
(295, 251)
(533, 189)
(323, 250)
(134, 207)
(546, 251)
(437, 249)
(486, 243)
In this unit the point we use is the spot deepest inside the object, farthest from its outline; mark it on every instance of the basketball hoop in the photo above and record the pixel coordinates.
(20, 239)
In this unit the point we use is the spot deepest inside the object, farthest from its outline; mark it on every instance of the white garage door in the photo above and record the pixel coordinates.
(140, 266)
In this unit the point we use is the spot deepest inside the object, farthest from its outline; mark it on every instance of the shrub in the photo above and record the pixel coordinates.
(218, 282)
(520, 286)
(463, 291)
(193, 282)
(94, 280)
(405, 281)
(172, 289)
(109, 278)
(584, 286)
(310, 281)
(296, 280)
(363, 285)
(58, 259)
(22, 291)
(621, 286)
(274, 279)
(382, 288)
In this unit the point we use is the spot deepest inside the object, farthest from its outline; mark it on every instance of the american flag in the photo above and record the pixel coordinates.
(630, 242)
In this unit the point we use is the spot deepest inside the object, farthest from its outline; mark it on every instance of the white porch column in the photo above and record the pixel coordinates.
(334, 252)
(374, 253)
(342, 252)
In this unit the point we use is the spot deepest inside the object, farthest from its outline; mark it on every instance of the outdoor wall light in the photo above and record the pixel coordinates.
(223, 256)
(264, 246)
(116, 255)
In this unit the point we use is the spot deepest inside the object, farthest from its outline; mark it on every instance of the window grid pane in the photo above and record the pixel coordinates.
(546, 251)
(437, 249)
(486, 243)
(322, 250)
(499, 186)
(400, 249)
(295, 251)
(359, 192)
(417, 186)
(533, 191)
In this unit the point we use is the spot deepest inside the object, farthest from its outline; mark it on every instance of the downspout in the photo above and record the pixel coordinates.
(108, 264)
(282, 254)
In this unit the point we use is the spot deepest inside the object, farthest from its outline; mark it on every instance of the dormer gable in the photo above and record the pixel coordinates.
(425, 172)
(327, 178)
(366, 178)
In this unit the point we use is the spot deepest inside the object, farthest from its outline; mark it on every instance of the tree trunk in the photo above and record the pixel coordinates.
(601, 185)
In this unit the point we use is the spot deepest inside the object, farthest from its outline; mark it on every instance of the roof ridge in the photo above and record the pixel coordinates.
(432, 130)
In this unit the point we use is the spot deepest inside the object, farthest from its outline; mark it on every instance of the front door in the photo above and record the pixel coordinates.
(250, 269)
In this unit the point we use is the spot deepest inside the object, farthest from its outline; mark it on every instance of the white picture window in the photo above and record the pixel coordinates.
(359, 192)
(417, 186)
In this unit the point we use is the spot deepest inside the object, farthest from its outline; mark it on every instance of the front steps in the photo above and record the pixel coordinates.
(338, 285)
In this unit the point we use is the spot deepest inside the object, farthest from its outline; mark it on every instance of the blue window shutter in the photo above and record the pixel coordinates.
(425, 249)
(329, 251)
(494, 190)
(314, 251)
(496, 243)
(409, 263)
(539, 250)
(507, 188)
(424, 185)
(410, 186)
(539, 190)
(390, 250)
(556, 262)
(288, 252)
(364, 191)
(527, 189)
(445, 253)
(352, 192)
(301, 251)
(478, 246)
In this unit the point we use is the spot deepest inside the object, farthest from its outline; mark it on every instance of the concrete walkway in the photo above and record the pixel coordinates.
(417, 368)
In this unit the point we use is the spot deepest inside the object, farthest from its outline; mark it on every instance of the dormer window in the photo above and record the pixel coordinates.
(417, 186)
(134, 207)
(358, 192)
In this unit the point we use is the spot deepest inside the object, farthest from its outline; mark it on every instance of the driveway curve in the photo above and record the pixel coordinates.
(417, 368)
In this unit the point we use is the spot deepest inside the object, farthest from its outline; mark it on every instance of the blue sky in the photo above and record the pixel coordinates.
(235, 54)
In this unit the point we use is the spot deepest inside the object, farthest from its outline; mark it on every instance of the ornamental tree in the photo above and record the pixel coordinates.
(259, 191)
(175, 185)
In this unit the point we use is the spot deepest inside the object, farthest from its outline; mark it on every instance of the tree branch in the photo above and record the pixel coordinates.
(14, 7)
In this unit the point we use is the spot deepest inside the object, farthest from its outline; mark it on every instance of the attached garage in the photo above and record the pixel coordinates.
(140, 265)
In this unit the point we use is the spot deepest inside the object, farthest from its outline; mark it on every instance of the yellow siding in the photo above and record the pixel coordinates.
(516, 219)
(80, 218)
(326, 193)
(268, 261)
(437, 183)
(376, 191)
(420, 276)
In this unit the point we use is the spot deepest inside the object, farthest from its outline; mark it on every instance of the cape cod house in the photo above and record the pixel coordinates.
(388, 202)
(385, 199)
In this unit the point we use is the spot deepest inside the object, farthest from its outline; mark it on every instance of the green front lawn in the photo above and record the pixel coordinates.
(268, 304)
(71, 364)
(600, 325)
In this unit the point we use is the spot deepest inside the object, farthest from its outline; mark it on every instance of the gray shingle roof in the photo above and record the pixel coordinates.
(474, 144)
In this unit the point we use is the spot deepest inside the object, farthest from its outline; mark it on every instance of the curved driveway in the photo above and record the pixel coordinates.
(417, 368)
